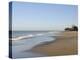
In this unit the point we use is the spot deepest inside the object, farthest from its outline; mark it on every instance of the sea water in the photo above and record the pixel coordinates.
(24, 41)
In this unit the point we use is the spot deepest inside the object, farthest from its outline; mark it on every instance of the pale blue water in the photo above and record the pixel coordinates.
(21, 47)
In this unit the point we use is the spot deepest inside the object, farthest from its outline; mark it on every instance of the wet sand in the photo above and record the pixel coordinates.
(66, 44)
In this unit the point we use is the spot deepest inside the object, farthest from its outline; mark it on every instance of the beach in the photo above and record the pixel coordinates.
(65, 44)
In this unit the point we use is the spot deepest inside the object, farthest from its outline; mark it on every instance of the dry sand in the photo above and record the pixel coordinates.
(66, 44)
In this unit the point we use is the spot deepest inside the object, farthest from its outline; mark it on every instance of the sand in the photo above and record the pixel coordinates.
(66, 44)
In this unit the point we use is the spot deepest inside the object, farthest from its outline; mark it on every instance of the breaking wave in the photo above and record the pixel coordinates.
(30, 36)
(26, 37)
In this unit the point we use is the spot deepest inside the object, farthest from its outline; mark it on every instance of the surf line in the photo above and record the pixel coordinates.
(27, 36)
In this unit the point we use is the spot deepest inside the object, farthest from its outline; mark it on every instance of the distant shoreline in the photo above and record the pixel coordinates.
(66, 44)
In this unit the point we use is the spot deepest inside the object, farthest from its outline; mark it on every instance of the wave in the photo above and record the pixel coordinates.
(30, 36)
(39, 34)
(27, 36)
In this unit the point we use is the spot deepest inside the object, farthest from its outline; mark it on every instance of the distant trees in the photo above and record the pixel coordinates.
(67, 29)
(73, 28)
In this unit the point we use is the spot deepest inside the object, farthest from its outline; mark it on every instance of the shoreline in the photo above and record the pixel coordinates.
(66, 44)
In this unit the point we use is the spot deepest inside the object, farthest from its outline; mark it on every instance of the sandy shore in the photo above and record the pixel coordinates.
(66, 44)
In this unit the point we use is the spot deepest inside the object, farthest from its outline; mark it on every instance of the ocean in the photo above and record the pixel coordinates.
(24, 41)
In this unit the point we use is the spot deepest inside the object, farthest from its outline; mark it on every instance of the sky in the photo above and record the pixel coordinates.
(42, 16)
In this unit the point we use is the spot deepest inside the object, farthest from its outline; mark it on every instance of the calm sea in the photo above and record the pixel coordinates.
(24, 41)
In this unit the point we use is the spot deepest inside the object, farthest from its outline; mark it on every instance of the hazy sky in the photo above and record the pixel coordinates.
(37, 16)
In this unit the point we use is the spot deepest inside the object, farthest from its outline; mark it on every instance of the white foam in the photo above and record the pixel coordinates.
(27, 36)
(39, 34)
(22, 37)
